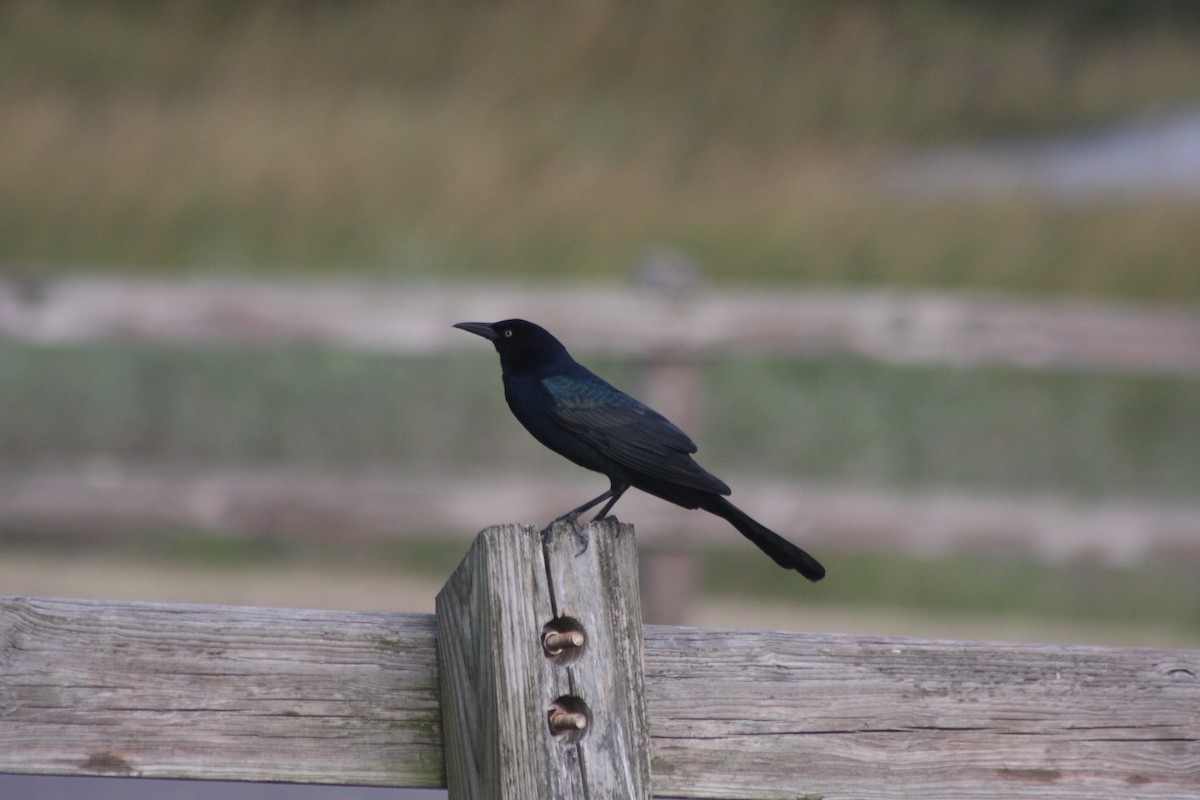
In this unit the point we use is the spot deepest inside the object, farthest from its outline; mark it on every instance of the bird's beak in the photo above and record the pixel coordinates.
(479, 329)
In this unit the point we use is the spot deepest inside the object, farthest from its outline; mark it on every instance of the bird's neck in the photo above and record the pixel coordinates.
(536, 365)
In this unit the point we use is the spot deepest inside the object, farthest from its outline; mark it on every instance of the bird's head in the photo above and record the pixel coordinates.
(523, 346)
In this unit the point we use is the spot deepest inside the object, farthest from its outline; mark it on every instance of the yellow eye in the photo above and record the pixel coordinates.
(508, 333)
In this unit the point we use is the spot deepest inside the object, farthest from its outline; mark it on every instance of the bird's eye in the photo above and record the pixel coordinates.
(508, 333)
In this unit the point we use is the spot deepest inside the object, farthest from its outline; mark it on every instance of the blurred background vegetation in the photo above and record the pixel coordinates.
(527, 141)
(531, 139)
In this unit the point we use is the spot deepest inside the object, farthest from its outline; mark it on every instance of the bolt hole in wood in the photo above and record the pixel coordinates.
(569, 719)
(563, 640)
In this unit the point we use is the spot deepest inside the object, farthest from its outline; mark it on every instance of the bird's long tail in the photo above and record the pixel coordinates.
(784, 553)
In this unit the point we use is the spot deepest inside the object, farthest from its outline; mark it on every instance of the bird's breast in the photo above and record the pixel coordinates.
(534, 407)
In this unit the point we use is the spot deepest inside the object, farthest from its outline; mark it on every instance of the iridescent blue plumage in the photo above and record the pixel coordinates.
(630, 433)
(582, 417)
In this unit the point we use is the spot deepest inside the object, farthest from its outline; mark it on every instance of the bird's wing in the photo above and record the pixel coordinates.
(628, 432)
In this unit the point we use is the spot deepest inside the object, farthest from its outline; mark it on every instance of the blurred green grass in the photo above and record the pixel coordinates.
(838, 420)
(1161, 594)
(528, 139)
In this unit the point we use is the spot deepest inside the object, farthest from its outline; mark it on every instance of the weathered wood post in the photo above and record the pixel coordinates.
(540, 662)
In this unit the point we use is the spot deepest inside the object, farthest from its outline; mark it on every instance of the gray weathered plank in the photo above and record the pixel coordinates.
(490, 664)
(889, 325)
(598, 588)
(107, 498)
(279, 694)
(498, 684)
(738, 715)
(92, 688)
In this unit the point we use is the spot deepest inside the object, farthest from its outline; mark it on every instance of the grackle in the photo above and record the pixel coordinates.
(583, 418)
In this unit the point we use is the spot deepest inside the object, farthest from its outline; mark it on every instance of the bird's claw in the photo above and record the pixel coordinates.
(581, 534)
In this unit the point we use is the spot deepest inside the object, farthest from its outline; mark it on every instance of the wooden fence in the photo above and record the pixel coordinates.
(888, 325)
(106, 498)
(534, 681)
(670, 329)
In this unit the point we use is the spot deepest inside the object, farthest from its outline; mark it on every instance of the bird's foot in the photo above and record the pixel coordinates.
(580, 532)
(581, 536)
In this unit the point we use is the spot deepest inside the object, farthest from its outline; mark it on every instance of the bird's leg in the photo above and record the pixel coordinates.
(612, 495)
(616, 491)
(572, 518)
(574, 513)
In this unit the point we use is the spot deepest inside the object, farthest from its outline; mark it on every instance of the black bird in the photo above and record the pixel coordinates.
(580, 416)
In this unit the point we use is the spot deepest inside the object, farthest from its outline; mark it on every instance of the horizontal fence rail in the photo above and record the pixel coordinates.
(106, 498)
(672, 330)
(892, 326)
(91, 688)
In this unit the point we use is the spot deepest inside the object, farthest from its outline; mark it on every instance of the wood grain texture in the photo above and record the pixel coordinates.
(490, 614)
(599, 588)
(740, 715)
(280, 694)
(90, 688)
(498, 684)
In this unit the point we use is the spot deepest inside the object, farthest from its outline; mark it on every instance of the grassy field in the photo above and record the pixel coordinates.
(528, 139)
(523, 139)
